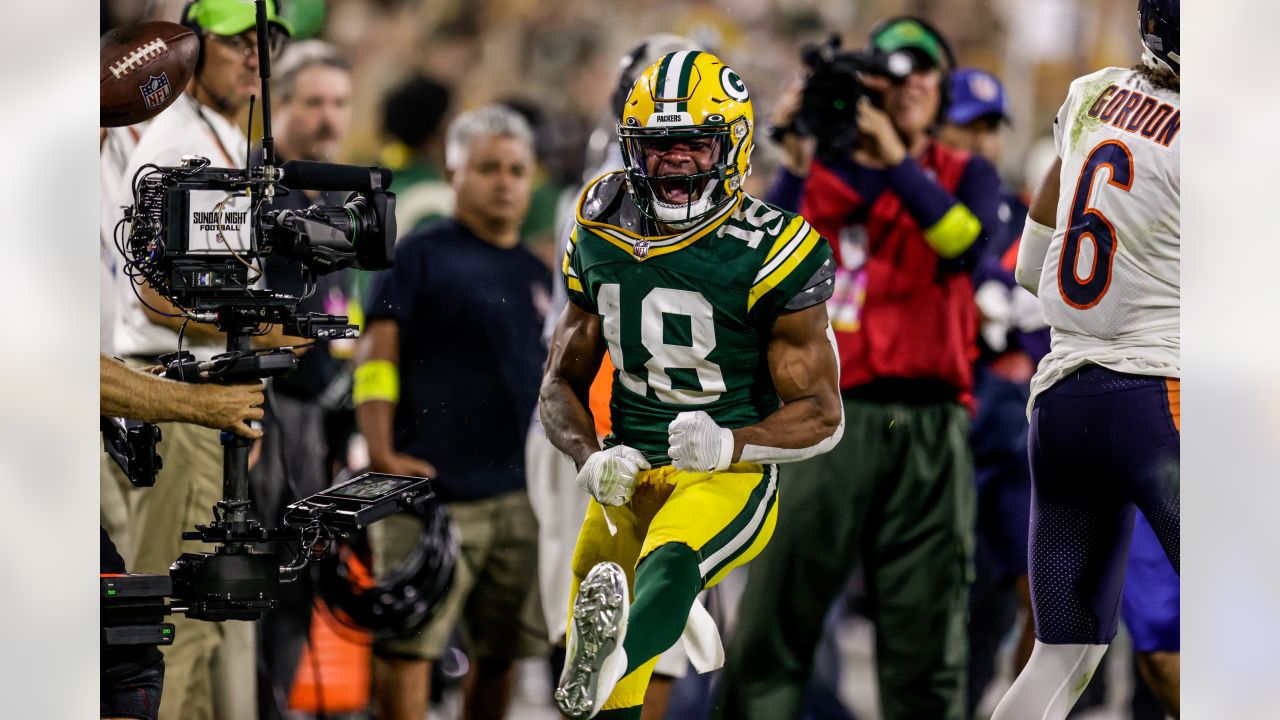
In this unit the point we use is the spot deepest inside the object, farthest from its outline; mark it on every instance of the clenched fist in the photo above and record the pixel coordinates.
(698, 444)
(610, 475)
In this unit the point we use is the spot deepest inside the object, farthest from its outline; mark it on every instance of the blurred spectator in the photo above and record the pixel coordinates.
(114, 147)
(311, 87)
(909, 218)
(448, 374)
(1013, 338)
(412, 116)
(538, 232)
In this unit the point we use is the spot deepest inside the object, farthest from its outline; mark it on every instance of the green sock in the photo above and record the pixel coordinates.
(631, 713)
(667, 582)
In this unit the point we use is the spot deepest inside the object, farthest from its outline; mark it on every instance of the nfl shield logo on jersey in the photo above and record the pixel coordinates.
(641, 248)
(155, 91)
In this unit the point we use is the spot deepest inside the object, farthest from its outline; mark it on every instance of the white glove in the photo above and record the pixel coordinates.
(1027, 314)
(610, 475)
(698, 444)
(993, 302)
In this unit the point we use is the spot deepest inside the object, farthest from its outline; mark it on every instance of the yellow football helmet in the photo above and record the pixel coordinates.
(693, 110)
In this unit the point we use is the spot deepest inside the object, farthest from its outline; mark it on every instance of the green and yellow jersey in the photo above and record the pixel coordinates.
(687, 317)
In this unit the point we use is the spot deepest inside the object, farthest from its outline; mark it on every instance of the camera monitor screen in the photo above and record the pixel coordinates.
(372, 487)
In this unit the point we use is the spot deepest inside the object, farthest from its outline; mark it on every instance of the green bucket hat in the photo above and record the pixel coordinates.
(232, 17)
(908, 34)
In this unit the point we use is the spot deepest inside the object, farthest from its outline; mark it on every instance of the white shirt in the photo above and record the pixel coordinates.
(1119, 141)
(117, 146)
(186, 128)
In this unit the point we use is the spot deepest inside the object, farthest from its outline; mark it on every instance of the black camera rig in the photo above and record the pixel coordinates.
(832, 90)
(217, 282)
(235, 583)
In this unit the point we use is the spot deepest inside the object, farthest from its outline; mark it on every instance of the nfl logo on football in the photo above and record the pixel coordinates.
(155, 91)
(641, 248)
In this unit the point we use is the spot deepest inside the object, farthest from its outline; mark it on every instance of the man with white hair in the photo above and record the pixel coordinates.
(446, 381)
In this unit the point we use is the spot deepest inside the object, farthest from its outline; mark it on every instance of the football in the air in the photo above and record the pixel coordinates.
(145, 68)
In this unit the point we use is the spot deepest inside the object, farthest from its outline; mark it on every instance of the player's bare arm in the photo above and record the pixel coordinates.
(1038, 231)
(1044, 204)
(577, 348)
(802, 363)
(377, 392)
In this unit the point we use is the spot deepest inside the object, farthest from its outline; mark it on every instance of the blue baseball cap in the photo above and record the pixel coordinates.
(975, 93)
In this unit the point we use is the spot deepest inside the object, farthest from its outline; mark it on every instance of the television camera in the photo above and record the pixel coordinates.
(832, 90)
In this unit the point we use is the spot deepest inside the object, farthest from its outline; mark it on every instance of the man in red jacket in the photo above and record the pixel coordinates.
(907, 217)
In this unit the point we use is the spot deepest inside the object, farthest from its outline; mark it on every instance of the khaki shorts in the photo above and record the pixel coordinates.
(494, 596)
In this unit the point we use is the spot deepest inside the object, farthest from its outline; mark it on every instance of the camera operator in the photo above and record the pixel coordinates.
(210, 668)
(311, 92)
(908, 217)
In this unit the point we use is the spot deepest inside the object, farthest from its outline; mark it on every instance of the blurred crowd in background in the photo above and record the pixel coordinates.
(557, 62)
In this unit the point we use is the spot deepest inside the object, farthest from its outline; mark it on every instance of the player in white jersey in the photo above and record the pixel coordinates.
(1100, 249)
(1109, 282)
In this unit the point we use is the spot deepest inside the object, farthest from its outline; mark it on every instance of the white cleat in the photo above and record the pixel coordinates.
(595, 660)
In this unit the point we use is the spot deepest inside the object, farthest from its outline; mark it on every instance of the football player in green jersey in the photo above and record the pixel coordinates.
(711, 306)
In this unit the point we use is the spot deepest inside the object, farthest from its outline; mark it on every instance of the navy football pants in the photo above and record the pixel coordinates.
(1101, 443)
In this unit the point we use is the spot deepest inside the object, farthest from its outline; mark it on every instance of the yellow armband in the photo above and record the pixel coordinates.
(954, 233)
(376, 380)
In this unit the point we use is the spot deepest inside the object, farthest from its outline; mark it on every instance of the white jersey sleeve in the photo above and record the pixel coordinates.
(1110, 284)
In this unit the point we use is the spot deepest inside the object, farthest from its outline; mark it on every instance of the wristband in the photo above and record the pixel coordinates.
(1031, 252)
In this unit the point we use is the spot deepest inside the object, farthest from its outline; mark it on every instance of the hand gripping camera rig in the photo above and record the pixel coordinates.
(215, 282)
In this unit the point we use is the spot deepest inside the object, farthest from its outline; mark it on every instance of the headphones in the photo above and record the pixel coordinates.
(944, 100)
(190, 23)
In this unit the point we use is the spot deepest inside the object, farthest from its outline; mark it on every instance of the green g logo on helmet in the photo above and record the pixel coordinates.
(732, 84)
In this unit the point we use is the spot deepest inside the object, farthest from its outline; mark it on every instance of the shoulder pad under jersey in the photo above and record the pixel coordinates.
(607, 202)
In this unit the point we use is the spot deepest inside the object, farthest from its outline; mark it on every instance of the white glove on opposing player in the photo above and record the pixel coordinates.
(610, 475)
(698, 444)
(1026, 312)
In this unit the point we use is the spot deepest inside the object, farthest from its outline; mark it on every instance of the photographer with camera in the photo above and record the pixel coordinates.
(908, 218)
(210, 668)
